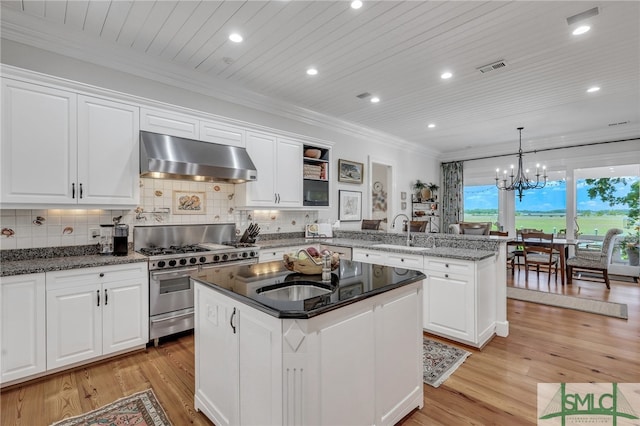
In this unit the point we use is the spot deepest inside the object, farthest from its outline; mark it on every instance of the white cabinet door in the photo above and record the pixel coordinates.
(96, 311)
(289, 173)
(22, 304)
(238, 361)
(221, 133)
(279, 165)
(108, 165)
(449, 306)
(169, 123)
(217, 391)
(262, 150)
(125, 317)
(74, 323)
(39, 144)
(260, 360)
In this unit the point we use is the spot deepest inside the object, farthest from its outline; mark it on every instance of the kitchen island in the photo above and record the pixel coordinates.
(276, 347)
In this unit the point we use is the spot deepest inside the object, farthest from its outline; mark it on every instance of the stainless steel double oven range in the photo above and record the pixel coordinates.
(177, 252)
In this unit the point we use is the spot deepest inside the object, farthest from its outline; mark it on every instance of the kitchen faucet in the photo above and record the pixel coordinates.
(393, 225)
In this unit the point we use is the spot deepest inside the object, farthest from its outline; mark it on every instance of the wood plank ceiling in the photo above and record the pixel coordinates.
(396, 50)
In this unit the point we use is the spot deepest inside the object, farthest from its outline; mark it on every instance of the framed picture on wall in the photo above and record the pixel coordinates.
(350, 205)
(188, 202)
(350, 171)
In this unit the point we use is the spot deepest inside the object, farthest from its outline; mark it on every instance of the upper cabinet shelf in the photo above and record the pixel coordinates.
(315, 163)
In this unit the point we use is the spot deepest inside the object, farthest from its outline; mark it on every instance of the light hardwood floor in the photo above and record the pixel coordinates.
(495, 386)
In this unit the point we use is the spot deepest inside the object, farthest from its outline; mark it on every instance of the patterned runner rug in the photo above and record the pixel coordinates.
(440, 361)
(140, 409)
(617, 310)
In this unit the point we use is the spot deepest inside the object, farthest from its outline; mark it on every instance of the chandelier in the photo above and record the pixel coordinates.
(518, 180)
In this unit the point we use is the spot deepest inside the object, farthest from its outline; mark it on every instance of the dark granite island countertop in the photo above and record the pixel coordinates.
(270, 287)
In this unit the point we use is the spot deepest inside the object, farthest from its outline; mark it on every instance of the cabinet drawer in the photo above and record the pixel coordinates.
(82, 276)
(447, 265)
(408, 261)
(269, 255)
(366, 256)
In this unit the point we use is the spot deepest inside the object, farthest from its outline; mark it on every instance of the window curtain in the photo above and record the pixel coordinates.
(452, 194)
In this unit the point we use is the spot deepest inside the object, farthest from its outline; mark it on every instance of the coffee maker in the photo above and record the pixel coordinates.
(120, 239)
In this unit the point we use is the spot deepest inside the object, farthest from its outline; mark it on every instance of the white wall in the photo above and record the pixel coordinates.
(408, 164)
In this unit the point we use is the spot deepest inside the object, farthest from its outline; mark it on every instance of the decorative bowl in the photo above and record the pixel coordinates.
(312, 153)
(303, 263)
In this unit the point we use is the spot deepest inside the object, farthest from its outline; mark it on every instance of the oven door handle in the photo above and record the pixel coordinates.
(233, 263)
(179, 272)
(172, 318)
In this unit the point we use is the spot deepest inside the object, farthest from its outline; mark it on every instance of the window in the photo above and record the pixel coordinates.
(481, 204)
(544, 208)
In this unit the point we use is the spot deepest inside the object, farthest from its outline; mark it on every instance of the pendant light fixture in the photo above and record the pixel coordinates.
(518, 180)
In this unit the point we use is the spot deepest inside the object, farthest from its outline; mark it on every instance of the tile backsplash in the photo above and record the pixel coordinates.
(160, 202)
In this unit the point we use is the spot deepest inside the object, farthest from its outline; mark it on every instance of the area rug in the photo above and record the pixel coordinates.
(440, 361)
(140, 409)
(611, 309)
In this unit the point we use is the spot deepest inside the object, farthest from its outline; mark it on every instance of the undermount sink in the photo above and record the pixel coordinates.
(400, 247)
(293, 292)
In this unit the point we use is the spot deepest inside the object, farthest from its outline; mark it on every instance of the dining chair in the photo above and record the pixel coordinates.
(588, 259)
(418, 225)
(538, 251)
(371, 224)
(518, 253)
(510, 256)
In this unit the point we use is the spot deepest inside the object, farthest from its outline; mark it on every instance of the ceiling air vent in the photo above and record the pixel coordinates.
(582, 16)
(492, 67)
(364, 95)
(618, 124)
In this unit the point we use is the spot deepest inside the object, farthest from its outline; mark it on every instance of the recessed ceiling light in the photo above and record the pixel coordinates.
(375, 100)
(446, 75)
(581, 29)
(235, 37)
(312, 71)
(593, 89)
(356, 4)
(431, 125)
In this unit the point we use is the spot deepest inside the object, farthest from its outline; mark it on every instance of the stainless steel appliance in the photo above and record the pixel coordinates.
(176, 252)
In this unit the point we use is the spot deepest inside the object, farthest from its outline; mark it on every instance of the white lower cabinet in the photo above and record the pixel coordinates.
(368, 256)
(397, 260)
(238, 361)
(22, 300)
(459, 299)
(360, 364)
(271, 254)
(98, 311)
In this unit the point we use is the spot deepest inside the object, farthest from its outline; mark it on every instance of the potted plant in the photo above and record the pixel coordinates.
(631, 245)
(419, 187)
(433, 188)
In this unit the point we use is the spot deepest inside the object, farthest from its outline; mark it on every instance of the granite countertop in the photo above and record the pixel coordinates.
(46, 264)
(270, 287)
(444, 252)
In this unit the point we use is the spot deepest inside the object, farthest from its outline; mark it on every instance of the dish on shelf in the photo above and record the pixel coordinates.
(419, 213)
(312, 153)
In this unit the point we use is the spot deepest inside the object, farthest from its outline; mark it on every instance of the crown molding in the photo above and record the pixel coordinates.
(35, 32)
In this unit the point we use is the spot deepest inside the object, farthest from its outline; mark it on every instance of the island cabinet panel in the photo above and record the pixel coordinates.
(358, 364)
(23, 323)
(238, 361)
(459, 299)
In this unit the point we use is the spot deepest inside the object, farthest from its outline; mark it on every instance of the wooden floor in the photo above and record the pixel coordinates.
(495, 386)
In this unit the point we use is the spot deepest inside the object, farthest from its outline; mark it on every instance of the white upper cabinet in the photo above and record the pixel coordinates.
(169, 123)
(39, 144)
(108, 153)
(223, 134)
(279, 165)
(62, 148)
(190, 127)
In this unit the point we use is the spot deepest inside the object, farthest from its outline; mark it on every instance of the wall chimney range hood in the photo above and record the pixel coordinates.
(172, 157)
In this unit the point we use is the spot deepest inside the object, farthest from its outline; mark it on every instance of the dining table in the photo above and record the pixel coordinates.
(559, 244)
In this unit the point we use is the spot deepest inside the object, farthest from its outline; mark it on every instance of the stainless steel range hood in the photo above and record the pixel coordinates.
(171, 157)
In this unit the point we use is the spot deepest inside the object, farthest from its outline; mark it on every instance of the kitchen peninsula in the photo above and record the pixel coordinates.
(276, 347)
